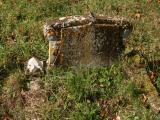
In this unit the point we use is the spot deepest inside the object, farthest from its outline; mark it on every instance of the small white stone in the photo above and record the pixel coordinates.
(33, 65)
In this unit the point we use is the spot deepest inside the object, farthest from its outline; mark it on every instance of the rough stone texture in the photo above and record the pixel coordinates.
(89, 42)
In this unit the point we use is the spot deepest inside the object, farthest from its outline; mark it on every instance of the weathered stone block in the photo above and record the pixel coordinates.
(88, 42)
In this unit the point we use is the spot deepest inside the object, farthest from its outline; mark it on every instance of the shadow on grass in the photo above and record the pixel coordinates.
(6, 69)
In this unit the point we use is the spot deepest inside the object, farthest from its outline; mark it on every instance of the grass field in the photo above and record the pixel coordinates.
(85, 93)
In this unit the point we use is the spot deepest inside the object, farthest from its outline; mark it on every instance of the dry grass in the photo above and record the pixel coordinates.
(90, 94)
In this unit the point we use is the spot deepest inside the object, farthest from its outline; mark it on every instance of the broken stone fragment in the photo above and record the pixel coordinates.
(33, 66)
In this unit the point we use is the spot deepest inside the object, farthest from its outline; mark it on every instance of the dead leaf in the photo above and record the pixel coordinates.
(117, 118)
(138, 15)
(145, 98)
(153, 76)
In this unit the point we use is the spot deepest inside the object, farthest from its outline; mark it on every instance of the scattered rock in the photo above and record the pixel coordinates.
(34, 66)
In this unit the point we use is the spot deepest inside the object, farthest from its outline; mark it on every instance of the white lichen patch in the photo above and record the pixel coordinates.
(62, 18)
(72, 18)
(63, 22)
(75, 18)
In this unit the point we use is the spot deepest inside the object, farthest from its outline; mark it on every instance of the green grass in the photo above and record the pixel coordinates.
(76, 94)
